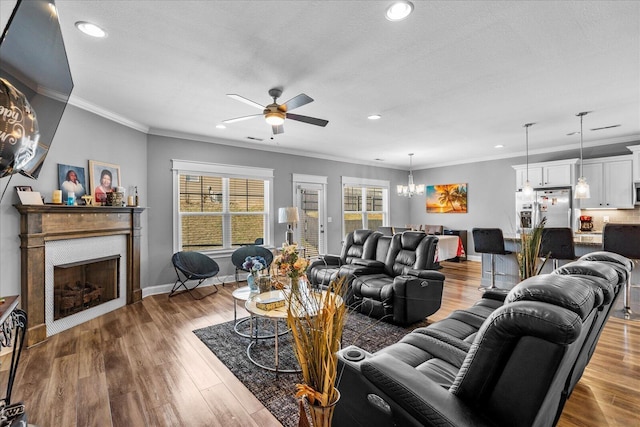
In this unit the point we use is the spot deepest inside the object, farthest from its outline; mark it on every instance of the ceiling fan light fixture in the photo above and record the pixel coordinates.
(399, 10)
(274, 118)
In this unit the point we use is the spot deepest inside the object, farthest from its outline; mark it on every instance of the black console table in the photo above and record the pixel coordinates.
(13, 325)
(463, 237)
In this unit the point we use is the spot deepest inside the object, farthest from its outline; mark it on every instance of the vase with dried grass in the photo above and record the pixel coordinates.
(530, 262)
(317, 320)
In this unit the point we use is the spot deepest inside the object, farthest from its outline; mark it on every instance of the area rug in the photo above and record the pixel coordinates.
(277, 393)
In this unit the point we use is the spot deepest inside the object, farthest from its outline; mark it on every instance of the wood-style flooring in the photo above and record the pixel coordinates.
(142, 366)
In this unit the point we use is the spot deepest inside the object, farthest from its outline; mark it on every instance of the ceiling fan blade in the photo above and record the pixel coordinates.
(245, 100)
(295, 102)
(277, 129)
(305, 119)
(239, 119)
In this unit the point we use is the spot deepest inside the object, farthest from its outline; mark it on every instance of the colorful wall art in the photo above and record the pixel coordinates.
(447, 198)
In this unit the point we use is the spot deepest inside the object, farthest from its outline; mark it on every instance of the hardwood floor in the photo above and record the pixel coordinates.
(142, 366)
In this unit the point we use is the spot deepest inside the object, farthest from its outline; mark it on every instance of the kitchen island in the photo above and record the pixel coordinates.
(508, 264)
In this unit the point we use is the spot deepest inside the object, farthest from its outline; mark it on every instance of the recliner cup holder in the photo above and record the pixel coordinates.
(354, 355)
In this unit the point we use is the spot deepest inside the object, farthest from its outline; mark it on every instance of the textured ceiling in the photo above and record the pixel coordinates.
(451, 81)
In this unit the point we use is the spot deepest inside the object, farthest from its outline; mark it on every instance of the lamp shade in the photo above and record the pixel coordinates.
(288, 215)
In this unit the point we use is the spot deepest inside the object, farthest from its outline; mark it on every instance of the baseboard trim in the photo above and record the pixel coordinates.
(214, 281)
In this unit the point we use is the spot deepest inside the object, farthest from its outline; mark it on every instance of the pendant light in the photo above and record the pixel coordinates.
(527, 189)
(582, 188)
(411, 189)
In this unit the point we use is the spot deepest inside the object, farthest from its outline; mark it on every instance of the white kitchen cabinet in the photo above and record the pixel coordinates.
(610, 183)
(558, 173)
(635, 149)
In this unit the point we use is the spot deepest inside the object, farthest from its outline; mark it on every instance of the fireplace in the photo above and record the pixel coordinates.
(81, 285)
(84, 278)
(56, 239)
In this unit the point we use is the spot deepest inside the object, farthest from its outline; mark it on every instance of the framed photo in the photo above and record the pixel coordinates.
(447, 198)
(23, 188)
(103, 178)
(72, 179)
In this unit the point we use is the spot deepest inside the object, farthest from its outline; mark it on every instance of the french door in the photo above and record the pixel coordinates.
(310, 199)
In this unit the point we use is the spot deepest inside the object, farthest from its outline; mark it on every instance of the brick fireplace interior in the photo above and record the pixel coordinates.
(81, 285)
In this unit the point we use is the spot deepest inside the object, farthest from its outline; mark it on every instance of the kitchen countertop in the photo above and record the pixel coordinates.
(580, 239)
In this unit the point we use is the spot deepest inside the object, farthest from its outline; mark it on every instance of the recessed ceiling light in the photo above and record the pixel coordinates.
(378, 159)
(221, 127)
(374, 117)
(91, 29)
(399, 10)
(498, 146)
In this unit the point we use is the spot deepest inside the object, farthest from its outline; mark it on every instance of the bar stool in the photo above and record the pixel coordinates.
(557, 244)
(623, 239)
(489, 241)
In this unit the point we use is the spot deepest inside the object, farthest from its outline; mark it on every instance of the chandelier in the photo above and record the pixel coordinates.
(411, 189)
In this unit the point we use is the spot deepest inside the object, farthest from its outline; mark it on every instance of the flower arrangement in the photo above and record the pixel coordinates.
(254, 264)
(317, 320)
(289, 263)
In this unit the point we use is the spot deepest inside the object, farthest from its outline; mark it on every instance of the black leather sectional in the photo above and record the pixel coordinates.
(389, 277)
(509, 360)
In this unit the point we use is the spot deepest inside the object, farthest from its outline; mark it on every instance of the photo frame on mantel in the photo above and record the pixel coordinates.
(103, 178)
(71, 178)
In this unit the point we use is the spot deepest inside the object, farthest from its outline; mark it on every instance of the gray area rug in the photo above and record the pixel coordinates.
(277, 394)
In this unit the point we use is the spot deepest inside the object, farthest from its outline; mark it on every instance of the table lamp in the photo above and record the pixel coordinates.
(291, 217)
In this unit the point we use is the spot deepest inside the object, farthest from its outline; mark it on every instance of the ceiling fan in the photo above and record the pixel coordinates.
(275, 113)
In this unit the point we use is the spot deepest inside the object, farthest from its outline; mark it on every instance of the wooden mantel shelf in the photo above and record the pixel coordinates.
(43, 223)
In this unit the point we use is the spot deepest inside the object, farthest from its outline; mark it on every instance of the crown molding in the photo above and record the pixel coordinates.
(109, 115)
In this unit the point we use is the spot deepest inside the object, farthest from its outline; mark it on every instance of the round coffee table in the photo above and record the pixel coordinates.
(275, 315)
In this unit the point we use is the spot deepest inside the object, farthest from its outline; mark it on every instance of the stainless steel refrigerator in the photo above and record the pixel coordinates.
(554, 204)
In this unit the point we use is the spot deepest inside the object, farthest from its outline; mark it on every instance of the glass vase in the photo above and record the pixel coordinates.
(321, 416)
(252, 283)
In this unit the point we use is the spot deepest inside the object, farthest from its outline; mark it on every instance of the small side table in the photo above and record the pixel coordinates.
(240, 294)
(13, 327)
(243, 294)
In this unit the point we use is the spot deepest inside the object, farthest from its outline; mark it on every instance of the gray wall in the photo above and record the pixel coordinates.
(81, 136)
(145, 161)
(161, 150)
(491, 189)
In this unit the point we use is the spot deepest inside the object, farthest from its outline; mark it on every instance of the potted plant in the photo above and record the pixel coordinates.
(317, 320)
(529, 257)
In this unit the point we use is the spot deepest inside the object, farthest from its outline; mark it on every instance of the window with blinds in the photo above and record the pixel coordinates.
(220, 212)
(365, 204)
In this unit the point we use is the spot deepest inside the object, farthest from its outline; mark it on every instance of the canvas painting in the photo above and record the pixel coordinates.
(72, 179)
(447, 198)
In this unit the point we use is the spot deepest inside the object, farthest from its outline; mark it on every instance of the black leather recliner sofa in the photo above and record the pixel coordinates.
(359, 244)
(388, 277)
(400, 286)
(506, 361)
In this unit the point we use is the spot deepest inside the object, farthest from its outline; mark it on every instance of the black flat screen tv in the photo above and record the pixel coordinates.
(34, 61)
